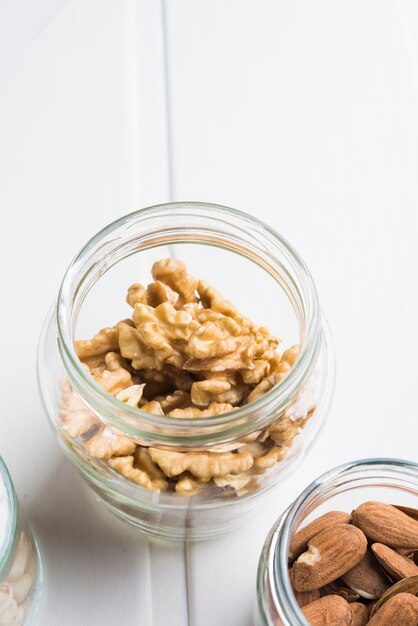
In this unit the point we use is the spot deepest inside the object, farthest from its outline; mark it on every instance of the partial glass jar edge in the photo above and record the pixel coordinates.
(273, 582)
(20, 541)
(110, 409)
(9, 541)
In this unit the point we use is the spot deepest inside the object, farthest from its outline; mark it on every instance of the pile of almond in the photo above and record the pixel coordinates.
(358, 569)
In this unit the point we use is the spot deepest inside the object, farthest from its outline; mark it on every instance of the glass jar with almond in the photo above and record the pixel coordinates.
(186, 366)
(346, 551)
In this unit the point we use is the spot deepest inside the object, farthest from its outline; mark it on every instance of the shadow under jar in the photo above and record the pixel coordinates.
(20, 562)
(344, 488)
(256, 269)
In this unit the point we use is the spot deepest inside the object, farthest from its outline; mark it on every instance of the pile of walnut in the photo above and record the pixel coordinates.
(358, 569)
(186, 353)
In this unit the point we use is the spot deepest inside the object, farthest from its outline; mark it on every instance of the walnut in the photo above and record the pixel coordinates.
(137, 294)
(220, 388)
(255, 448)
(279, 369)
(165, 331)
(236, 360)
(265, 385)
(287, 361)
(269, 459)
(125, 466)
(177, 400)
(173, 273)
(188, 486)
(261, 368)
(131, 395)
(213, 409)
(283, 431)
(203, 465)
(213, 299)
(96, 363)
(114, 361)
(153, 407)
(236, 482)
(107, 443)
(143, 461)
(204, 315)
(214, 339)
(134, 349)
(77, 417)
(180, 379)
(116, 377)
(105, 341)
(158, 292)
(173, 325)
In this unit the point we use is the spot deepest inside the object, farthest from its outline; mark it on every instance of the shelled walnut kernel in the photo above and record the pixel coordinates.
(186, 353)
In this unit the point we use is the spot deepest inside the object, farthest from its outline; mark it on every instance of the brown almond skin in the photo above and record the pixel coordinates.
(406, 585)
(337, 548)
(360, 614)
(406, 509)
(397, 565)
(328, 611)
(306, 597)
(300, 541)
(400, 610)
(366, 578)
(336, 589)
(383, 523)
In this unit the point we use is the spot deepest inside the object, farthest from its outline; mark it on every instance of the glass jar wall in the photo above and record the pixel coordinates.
(252, 446)
(20, 564)
(391, 481)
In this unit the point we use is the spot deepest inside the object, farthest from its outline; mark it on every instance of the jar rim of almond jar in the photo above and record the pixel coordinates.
(6, 544)
(205, 224)
(275, 596)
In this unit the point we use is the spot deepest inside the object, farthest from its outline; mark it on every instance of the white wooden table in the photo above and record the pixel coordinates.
(303, 113)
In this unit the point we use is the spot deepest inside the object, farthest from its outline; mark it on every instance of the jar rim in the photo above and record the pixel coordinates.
(6, 547)
(278, 572)
(122, 416)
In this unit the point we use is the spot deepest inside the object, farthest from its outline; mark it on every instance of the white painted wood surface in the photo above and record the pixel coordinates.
(305, 114)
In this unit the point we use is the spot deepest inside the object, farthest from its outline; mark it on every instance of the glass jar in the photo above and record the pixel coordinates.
(344, 488)
(20, 563)
(255, 268)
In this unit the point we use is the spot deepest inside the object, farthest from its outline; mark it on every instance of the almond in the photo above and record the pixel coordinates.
(400, 610)
(338, 590)
(406, 585)
(397, 565)
(383, 523)
(406, 509)
(366, 578)
(300, 541)
(360, 614)
(306, 597)
(328, 611)
(370, 607)
(331, 554)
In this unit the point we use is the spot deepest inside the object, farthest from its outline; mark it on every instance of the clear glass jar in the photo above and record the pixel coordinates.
(20, 562)
(266, 279)
(392, 481)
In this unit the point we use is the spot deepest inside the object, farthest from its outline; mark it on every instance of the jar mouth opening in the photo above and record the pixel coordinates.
(197, 223)
(278, 562)
(7, 544)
